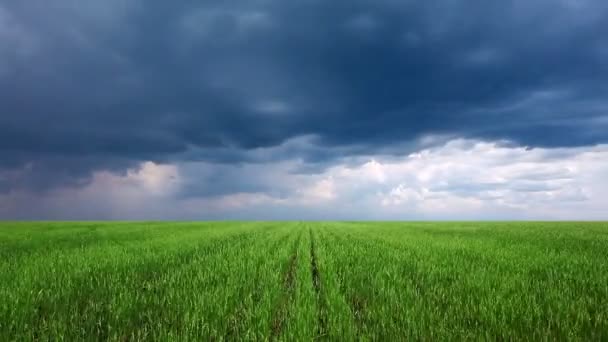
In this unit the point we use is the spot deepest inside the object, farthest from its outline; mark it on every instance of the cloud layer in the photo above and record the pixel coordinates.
(104, 88)
(462, 179)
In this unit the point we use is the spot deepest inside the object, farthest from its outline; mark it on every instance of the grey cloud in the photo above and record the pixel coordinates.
(105, 85)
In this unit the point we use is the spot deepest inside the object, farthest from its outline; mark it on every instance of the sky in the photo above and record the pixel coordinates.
(304, 110)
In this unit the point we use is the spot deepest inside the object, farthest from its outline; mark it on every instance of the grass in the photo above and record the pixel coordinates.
(304, 281)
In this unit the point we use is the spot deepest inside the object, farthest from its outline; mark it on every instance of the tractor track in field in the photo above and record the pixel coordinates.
(238, 316)
(281, 313)
(357, 304)
(316, 283)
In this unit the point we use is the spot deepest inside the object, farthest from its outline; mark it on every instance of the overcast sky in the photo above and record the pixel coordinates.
(303, 109)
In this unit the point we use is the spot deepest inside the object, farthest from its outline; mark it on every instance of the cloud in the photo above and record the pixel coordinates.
(86, 89)
(132, 66)
(461, 179)
(144, 191)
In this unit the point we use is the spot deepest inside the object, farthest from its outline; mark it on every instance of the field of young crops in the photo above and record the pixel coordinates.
(303, 280)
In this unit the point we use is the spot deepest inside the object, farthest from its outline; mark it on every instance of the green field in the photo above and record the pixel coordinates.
(303, 280)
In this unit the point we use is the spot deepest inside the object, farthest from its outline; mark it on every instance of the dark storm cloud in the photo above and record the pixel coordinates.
(105, 85)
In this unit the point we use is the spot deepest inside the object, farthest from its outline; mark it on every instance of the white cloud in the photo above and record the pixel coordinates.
(461, 179)
(153, 178)
(320, 191)
(143, 192)
(465, 178)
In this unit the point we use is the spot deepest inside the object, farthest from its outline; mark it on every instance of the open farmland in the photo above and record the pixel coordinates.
(303, 280)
